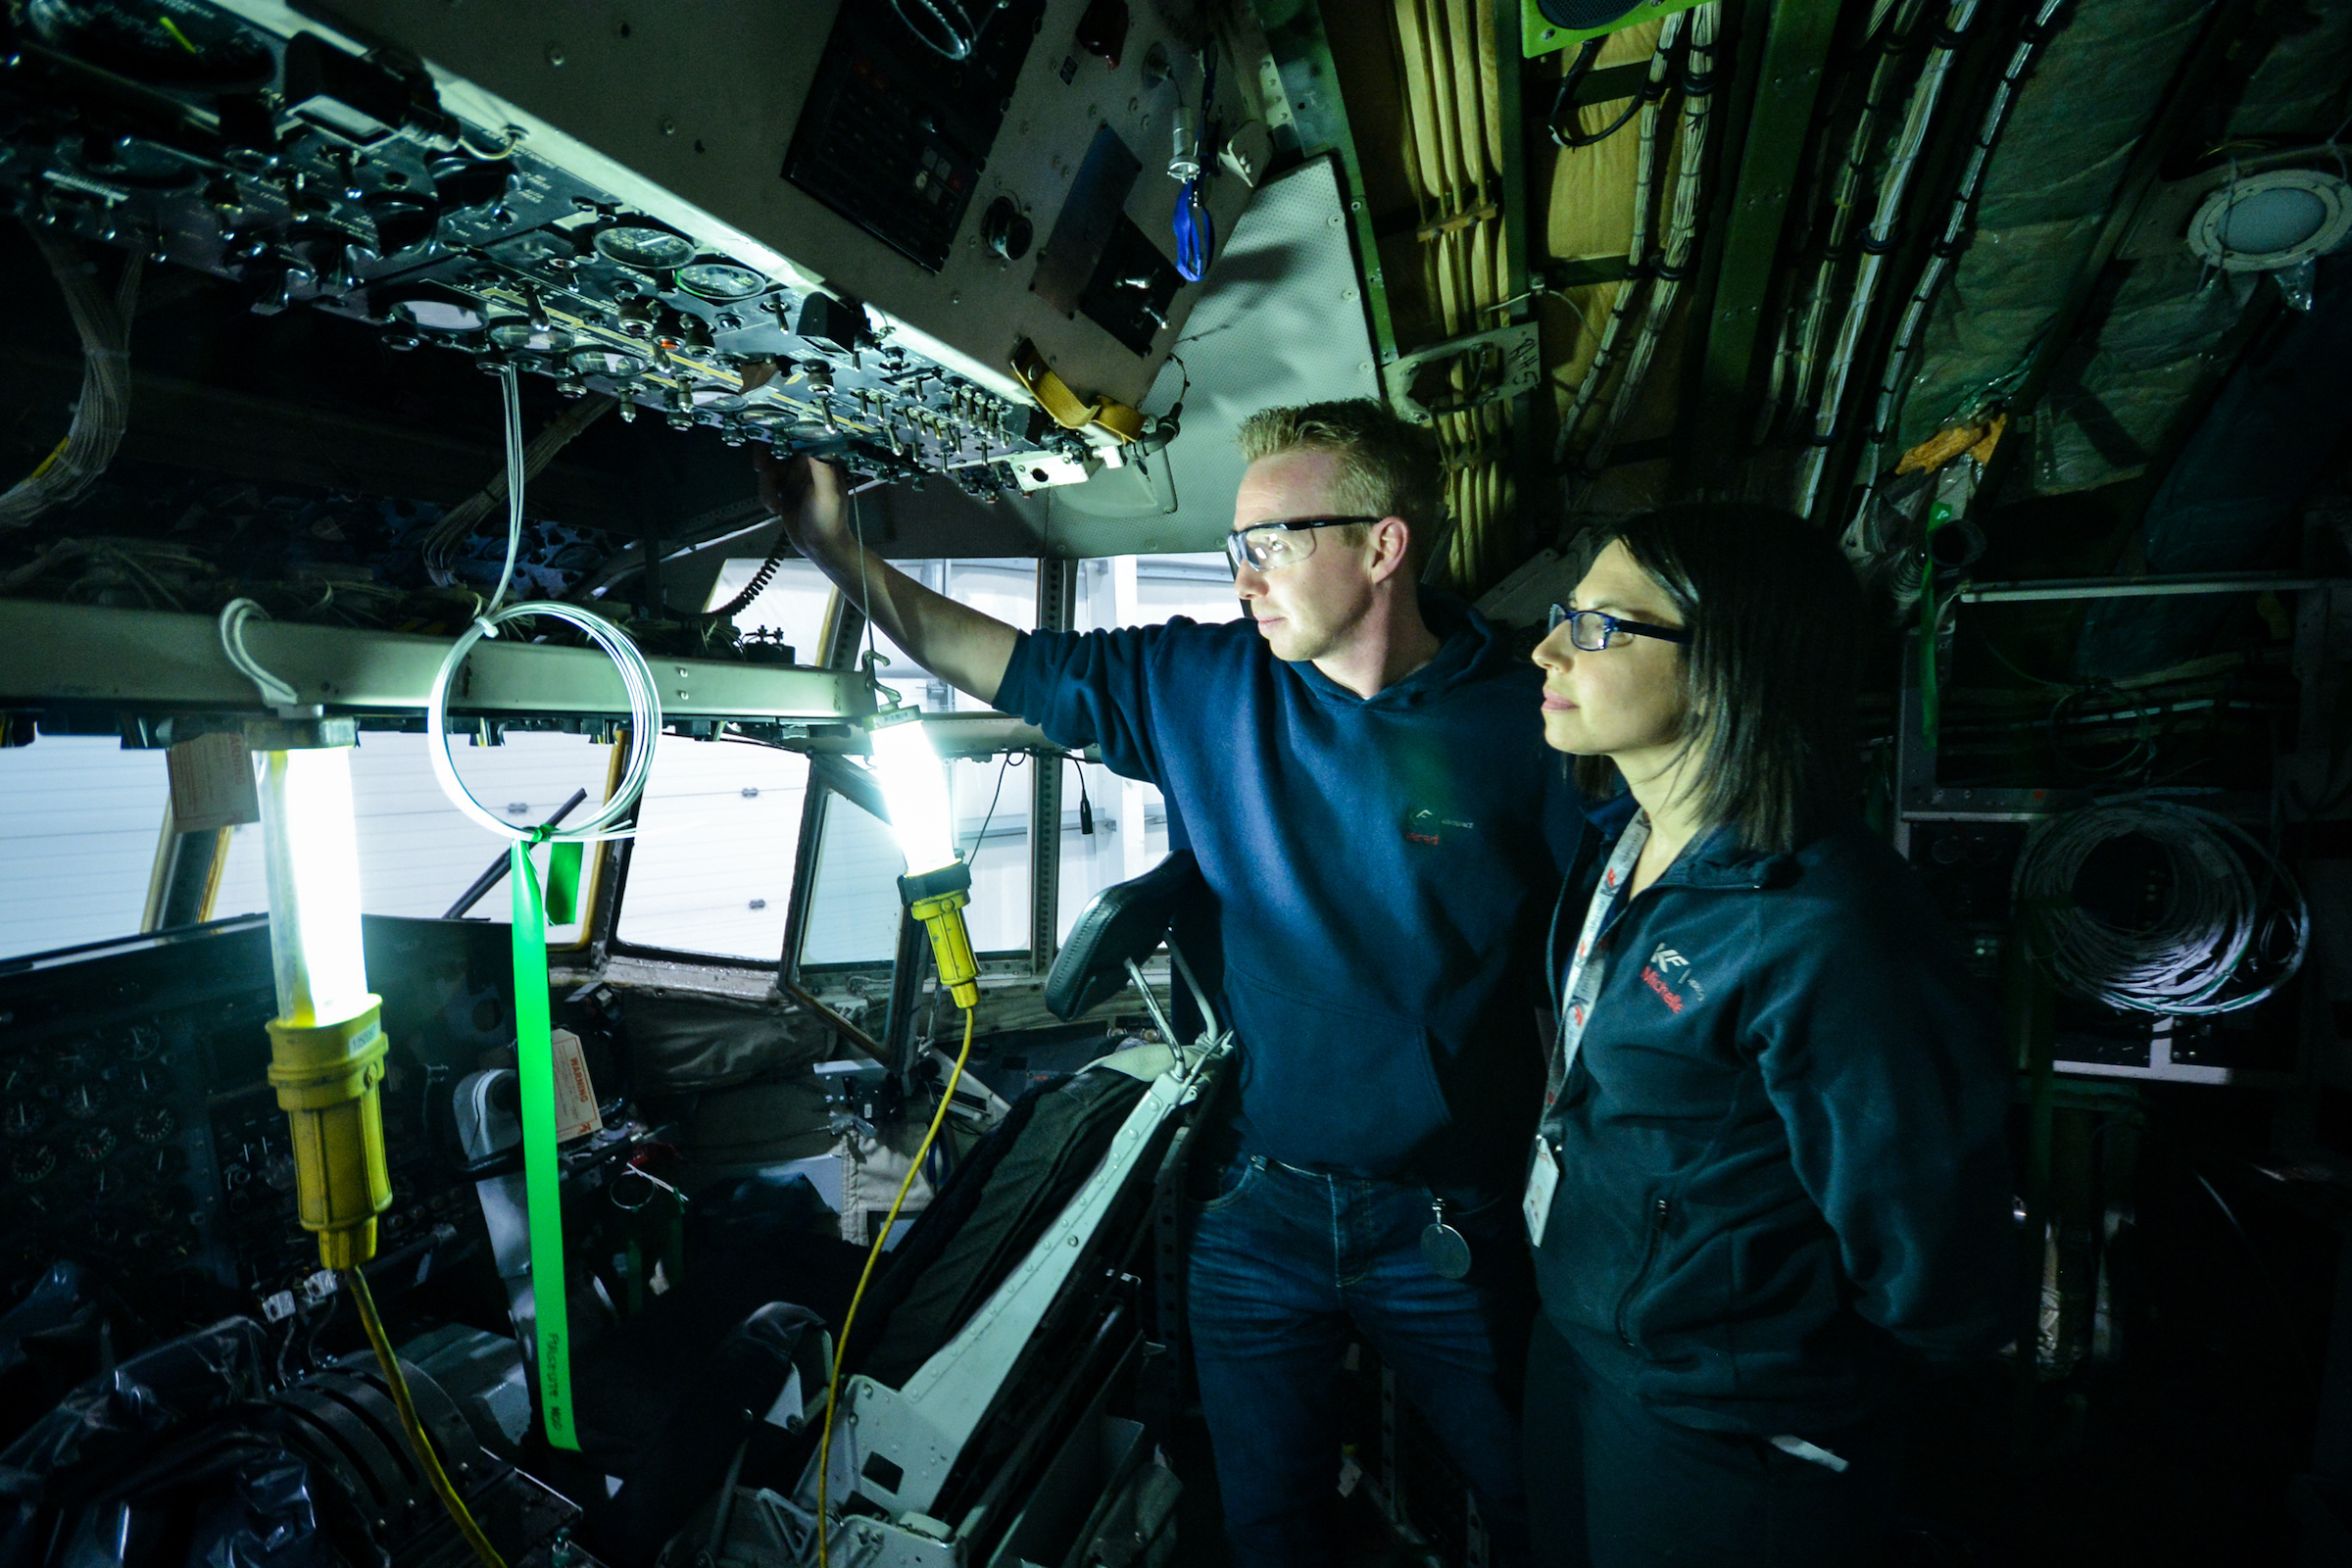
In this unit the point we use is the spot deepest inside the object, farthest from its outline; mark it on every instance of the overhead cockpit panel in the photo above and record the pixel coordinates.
(807, 222)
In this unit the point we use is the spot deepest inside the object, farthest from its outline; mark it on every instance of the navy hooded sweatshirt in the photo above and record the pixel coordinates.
(1783, 1175)
(1381, 871)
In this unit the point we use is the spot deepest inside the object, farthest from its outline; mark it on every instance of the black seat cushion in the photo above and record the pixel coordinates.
(1125, 921)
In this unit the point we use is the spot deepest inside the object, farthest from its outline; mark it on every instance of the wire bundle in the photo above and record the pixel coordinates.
(524, 463)
(1668, 267)
(2214, 920)
(1455, 145)
(1944, 254)
(104, 411)
(1879, 239)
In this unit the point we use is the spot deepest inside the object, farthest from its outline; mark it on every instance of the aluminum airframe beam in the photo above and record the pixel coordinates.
(141, 658)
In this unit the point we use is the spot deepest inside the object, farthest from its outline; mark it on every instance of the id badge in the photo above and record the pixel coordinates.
(1542, 1180)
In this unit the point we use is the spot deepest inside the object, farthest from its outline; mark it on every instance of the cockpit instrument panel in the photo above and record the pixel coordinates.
(803, 221)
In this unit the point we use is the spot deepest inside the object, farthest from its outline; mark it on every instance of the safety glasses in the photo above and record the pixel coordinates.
(1270, 546)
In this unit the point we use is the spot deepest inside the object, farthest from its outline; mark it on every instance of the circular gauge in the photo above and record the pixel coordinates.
(141, 1041)
(21, 1118)
(84, 1099)
(649, 249)
(714, 400)
(172, 43)
(32, 1163)
(93, 1144)
(517, 333)
(22, 1076)
(162, 1165)
(720, 280)
(437, 313)
(154, 1124)
(619, 364)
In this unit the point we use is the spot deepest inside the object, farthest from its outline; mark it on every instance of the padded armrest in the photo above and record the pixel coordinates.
(1124, 921)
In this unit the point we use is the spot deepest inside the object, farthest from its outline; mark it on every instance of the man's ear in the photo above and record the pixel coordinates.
(1391, 541)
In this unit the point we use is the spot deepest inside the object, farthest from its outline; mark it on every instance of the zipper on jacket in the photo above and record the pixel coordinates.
(1659, 1210)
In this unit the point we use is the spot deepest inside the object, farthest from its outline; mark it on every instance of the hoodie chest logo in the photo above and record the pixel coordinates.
(1427, 825)
(1668, 976)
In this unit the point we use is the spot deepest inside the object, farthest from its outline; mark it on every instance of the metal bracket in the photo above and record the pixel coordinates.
(1516, 346)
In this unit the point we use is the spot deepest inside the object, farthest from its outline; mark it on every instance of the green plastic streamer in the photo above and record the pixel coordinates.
(535, 1067)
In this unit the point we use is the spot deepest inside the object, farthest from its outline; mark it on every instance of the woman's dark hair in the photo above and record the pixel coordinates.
(1776, 622)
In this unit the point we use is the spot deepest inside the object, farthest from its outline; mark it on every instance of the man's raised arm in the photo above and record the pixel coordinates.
(956, 643)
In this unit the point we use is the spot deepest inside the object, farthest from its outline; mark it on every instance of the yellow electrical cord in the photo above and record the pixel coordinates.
(356, 1284)
(824, 1447)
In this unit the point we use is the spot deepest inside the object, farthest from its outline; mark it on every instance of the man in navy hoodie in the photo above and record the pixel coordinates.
(1359, 768)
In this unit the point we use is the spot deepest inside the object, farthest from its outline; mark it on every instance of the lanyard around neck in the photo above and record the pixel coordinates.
(1590, 964)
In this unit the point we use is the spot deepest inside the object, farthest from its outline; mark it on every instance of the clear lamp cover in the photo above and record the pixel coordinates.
(916, 787)
(310, 848)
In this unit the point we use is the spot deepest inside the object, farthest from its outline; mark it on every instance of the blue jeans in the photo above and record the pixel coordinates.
(1280, 1262)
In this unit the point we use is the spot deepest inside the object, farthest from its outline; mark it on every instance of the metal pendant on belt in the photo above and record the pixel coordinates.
(1442, 1247)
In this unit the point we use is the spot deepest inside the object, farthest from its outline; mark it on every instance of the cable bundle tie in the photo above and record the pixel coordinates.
(1952, 245)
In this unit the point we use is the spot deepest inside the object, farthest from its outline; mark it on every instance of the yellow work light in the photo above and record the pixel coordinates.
(326, 1044)
(938, 884)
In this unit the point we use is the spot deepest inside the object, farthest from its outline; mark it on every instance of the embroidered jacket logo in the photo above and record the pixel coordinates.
(1425, 826)
(1663, 964)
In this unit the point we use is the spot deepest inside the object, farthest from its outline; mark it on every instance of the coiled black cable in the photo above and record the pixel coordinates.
(753, 589)
(2214, 922)
(1563, 111)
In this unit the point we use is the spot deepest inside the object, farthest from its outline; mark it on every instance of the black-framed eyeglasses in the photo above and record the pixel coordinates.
(1595, 630)
(1268, 545)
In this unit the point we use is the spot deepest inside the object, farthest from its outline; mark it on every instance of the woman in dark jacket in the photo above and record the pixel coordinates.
(1770, 1181)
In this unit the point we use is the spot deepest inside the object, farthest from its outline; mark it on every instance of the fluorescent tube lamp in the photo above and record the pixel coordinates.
(916, 787)
(326, 1045)
(310, 848)
(937, 883)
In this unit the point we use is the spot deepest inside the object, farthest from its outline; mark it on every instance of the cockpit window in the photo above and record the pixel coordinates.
(1129, 818)
(789, 609)
(717, 833)
(80, 817)
(854, 898)
(78, 821)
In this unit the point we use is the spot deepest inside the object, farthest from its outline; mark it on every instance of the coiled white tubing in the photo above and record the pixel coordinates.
(2212, 917)
(645, 723)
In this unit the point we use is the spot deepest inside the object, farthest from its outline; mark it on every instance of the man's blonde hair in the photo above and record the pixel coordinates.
(1387, 467)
